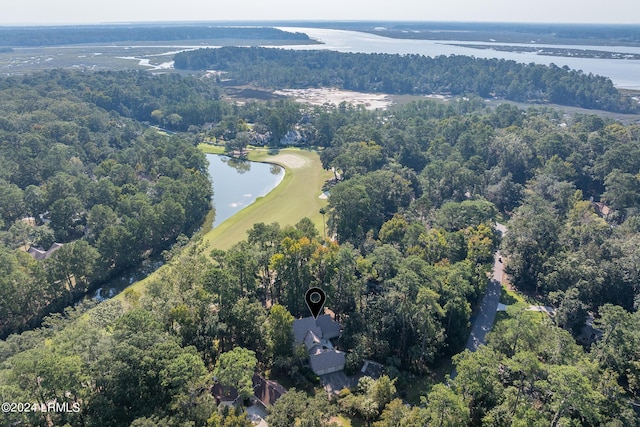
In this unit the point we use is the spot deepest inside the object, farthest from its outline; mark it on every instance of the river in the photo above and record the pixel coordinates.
(624, 73)
(236, 184)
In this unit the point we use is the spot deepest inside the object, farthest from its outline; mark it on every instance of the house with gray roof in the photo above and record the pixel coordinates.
(315, 334)
(40, 253)
(302, 326)
(293, 137)
(330, 328)
(312, 340)
(326, 360)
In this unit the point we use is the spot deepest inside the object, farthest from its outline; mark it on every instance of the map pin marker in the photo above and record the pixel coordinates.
(315, 298)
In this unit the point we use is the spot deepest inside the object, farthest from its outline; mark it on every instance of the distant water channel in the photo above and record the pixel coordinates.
(238, 183)
(624, 73)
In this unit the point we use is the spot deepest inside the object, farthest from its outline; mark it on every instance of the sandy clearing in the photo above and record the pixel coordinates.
(321, 96)
(289, 160)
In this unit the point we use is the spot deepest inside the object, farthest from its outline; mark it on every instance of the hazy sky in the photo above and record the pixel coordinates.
(94, 11)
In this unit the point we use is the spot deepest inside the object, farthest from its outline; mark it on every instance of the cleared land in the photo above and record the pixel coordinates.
(321, 96)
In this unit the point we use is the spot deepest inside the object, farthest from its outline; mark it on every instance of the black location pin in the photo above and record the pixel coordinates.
(315, 298)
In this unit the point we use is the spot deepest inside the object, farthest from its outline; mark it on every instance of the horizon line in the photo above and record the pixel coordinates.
(316, 21)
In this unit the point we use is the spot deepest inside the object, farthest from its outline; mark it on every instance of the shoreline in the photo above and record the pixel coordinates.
(254, 187)
(303, 172)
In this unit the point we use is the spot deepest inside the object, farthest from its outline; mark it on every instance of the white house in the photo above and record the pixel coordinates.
(293, 137)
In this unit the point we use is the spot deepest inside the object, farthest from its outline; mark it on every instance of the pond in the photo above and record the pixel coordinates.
(238, 183)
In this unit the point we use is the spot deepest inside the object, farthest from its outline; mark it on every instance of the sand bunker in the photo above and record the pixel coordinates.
(371, 101)
(289, 160)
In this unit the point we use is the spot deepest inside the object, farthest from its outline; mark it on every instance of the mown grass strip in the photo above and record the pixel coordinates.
(296, 197)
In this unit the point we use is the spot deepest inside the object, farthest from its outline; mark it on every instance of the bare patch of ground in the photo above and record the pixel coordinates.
(321, 96)
(289, 160)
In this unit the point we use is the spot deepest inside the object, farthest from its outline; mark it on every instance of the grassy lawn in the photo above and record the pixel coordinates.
(500, 316)
(503, 315)
(295, 198)
(509, 296)
(343, 421)
(211, 149)
(512, 297)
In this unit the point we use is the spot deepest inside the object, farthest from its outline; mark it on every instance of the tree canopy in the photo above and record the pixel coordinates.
(410, 74)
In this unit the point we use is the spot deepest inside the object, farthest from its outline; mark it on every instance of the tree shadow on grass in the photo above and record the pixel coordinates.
(506, 298)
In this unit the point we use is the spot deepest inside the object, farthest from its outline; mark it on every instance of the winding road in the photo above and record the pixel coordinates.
(483, 321)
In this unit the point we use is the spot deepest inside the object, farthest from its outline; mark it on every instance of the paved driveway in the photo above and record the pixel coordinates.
(487, 313)
(256, 414)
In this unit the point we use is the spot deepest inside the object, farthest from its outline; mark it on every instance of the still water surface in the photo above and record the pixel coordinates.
(238, 183)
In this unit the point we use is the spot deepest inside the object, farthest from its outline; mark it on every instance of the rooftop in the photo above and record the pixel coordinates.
(267, 391)
(40, 253)
(322, 360)
(323, 327)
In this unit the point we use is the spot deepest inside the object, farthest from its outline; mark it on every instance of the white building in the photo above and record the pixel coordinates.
(293, 137)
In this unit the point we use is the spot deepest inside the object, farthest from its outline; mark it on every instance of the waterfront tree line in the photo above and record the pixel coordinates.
(410, 74)
(82, 34)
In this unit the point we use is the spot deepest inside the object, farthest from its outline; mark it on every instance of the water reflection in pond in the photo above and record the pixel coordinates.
(238, 183)
(240, 165)
(127, 278)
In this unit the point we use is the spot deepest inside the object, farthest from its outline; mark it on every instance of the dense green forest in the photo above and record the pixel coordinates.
(410, 74)
(411, 216)
(168, 100)
(110, 190)
(65, 35)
